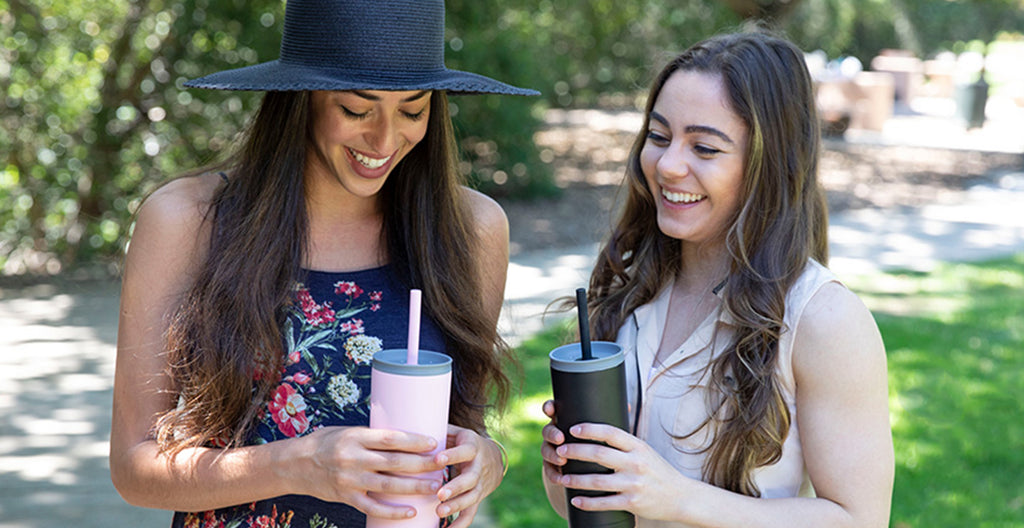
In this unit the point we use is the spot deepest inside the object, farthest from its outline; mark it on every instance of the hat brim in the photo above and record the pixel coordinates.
(281, 76)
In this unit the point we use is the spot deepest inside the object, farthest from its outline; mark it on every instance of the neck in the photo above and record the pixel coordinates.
(703, 266)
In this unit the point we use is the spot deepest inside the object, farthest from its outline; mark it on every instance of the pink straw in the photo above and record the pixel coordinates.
(413, 348)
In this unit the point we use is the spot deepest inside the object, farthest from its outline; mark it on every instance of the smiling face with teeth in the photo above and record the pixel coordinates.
(362, 136)
(693, 157)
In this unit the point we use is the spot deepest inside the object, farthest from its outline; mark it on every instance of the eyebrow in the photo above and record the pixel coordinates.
(371, 97)
(695, 129)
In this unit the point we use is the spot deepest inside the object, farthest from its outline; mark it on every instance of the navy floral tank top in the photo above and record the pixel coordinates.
(337, 321)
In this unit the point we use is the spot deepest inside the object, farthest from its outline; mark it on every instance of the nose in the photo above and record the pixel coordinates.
(382, 135)
(673, 163)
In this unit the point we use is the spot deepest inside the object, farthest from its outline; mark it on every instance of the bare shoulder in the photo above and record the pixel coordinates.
(170, 228)
(836, 330)
(491, 255)
(487, 214)
(181, 199)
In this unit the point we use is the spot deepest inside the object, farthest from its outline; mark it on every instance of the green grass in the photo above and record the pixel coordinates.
(955, 343)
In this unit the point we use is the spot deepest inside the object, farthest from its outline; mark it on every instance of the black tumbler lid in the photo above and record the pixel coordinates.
(430, 363)
(568, 358)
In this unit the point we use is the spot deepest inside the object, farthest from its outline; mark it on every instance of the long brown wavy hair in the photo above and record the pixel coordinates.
(781, 222)
(224, 344)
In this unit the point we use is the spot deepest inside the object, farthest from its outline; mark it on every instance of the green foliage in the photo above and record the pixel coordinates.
(575, 53)
(956, 377)
(95, 114)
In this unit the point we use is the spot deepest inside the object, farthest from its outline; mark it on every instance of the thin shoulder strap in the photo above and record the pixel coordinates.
(223, 176)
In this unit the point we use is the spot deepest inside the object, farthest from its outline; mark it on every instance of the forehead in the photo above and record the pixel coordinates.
(690, 98)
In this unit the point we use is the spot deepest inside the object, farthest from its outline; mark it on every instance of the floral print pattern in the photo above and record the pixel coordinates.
(335, 324)
(317, 375)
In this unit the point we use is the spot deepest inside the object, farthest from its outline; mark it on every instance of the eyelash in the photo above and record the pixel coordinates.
(701, 150)
(412, 117)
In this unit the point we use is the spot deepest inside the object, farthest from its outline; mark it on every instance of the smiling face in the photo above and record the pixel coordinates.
(693, 157)
(363, 135)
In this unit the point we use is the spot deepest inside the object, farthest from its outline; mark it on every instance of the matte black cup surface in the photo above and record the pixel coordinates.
(592, 391)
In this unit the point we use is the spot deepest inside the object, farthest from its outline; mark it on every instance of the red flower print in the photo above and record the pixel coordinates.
(293, 357)
(316, 314)
(299, 377)
(288, 409)
(355, 326)
(374, 307)
(348, 288)
(263, 521)
(376, 296)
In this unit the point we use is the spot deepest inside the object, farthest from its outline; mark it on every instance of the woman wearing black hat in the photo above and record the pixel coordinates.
(254, 294)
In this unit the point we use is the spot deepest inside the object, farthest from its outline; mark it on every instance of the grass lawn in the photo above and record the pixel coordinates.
(955, 342)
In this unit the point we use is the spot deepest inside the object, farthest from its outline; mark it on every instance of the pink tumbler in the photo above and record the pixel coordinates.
(411, 398)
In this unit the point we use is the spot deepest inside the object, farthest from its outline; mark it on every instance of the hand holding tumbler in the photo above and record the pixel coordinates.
(588, 382)
(409, 391)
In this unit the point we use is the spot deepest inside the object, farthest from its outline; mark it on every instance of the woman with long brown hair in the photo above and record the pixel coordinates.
(255, 294)
(753, 374)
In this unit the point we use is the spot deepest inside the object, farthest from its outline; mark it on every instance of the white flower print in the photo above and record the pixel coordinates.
(361, 348)
(343, 391)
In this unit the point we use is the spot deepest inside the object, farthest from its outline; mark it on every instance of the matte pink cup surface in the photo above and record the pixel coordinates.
(414, 399)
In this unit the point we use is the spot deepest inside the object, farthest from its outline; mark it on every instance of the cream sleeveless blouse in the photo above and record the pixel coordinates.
(669, 401)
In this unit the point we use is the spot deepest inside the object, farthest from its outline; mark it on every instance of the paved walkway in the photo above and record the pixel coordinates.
(57, 348)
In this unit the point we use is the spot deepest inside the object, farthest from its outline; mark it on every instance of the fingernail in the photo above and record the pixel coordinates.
(575, 429)
(443, 495)
(443, 511)
(410, 513)
(434, 486)
(561, 451)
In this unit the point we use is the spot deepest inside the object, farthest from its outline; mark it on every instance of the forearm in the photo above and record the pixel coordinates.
(200, 479)
(710, 507)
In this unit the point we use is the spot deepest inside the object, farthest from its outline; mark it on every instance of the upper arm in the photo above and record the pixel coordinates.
(491, 255)
(167, 245)
(842, 404)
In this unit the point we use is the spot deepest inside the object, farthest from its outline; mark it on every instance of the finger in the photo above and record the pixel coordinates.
(550, 454)
(459, 501)
(466, 517)
(609, 502)
(456, 455)
(549, 408)
(613, 436)
(400, 485)
(552, 473)
(454, 432)
(388, 440)
(375, 508)
(592, 482)
(553, 435)
(467, 478)
(400, 462)
(602, 455)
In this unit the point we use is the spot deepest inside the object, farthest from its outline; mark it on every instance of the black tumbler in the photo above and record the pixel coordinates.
(592, 390)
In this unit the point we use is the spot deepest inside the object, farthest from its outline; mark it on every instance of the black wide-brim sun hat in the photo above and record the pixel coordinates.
(394, 45)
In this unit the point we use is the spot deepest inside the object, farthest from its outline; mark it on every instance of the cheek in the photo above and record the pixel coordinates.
(649, 164)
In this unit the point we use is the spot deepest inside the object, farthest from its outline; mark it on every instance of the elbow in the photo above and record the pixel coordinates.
(124, 475)
(121, 478)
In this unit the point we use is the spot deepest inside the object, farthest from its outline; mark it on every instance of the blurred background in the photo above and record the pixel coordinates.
(94, 112)
(922, 103)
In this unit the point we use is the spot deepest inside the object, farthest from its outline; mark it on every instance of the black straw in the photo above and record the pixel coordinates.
(581, 310)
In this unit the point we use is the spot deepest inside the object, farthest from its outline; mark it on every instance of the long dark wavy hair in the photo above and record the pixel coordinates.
(781, 222)
(224, 343)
